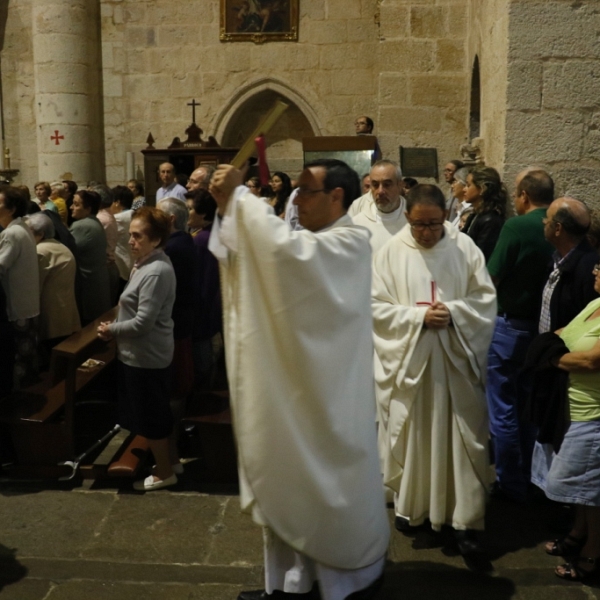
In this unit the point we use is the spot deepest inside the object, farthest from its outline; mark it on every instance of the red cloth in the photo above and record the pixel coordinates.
(263, 167)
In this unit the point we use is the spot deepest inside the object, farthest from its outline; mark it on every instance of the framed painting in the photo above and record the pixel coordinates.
(259, 21)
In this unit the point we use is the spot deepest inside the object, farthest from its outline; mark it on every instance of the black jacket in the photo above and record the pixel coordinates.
(484, 229)
(575, 287)
(548, 404)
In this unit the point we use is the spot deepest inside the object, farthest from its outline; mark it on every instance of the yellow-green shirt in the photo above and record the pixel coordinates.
(581, 335)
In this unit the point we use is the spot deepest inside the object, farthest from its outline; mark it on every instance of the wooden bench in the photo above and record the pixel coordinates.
(40, 419)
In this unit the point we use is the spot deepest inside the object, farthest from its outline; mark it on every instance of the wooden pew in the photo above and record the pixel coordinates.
(40, 419)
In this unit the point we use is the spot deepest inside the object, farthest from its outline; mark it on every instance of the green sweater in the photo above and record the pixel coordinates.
(519, 263)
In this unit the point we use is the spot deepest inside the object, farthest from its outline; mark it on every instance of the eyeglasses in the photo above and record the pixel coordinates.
(302, 192)
(434, 227)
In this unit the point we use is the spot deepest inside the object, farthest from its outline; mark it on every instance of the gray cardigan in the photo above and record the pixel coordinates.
(144, 328)
(19, 271)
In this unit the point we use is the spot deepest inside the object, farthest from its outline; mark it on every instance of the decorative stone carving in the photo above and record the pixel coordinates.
(472, 154)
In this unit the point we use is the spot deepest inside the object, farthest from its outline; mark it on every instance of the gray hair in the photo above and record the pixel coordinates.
(461, 175)
(41, 224)
(59, 187)
(210, 169)
(106, 195)
(384, 163)
(175, 207)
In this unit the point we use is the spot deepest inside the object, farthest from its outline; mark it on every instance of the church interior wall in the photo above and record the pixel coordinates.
(553, 104)
(423, 76)
(18, 91)
(488, 40)
(405, 63)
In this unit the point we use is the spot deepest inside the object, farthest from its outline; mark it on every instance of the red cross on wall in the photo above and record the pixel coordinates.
(57, 137)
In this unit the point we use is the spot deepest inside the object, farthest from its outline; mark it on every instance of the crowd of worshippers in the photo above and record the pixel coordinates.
(485, 332)
(65, 259)
(493, 288)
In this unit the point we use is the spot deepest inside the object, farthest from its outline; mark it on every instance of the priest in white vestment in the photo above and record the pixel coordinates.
(298, 339)
(434, 307)
(384, 215)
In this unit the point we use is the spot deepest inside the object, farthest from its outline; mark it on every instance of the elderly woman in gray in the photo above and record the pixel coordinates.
(19, 278)
(144, 334)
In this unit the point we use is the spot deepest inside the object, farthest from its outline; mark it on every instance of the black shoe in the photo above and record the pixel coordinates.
(472, 552)
(254, 595)
(402, 524)
(368, 592)
(467, 542)
(276, 595)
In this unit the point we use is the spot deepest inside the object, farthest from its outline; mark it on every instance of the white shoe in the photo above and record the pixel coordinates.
(149, 484)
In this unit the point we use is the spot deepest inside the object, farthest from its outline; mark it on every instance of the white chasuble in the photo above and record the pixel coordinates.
(298, 338)
(430, 383)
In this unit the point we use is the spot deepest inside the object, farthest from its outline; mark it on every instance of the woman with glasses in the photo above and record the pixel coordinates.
(463, 209)
(488, 196)
(574, 476)
(253, 184)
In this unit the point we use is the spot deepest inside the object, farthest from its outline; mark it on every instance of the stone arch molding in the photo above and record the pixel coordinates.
(246, 93)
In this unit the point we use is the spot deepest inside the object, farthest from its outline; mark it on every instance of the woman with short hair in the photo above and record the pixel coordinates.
(59, 316)
(58, 195)
(137, 189)
(144, 334)
(90, 238)
(42, 191)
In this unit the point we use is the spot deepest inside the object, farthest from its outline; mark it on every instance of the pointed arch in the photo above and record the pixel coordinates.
(247, 93)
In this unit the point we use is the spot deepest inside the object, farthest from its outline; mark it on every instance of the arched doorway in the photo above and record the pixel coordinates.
(284, 141)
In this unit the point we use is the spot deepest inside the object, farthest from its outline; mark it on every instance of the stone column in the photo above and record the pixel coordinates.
(68, 89)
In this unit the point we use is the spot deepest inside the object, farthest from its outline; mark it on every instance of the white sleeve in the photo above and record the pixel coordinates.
(223, 235)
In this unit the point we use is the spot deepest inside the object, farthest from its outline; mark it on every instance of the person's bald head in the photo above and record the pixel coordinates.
(200, 178)
(567, 222)
(166, 172)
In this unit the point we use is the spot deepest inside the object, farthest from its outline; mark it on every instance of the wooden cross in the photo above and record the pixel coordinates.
(433, 292)
(57, 137)
(193, 104)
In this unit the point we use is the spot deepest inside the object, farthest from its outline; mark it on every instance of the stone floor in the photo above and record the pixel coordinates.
(93, 541)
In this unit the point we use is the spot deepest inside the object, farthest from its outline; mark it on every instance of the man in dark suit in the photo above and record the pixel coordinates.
(570, 285)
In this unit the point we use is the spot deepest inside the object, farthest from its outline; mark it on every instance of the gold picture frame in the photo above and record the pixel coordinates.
(259, 21)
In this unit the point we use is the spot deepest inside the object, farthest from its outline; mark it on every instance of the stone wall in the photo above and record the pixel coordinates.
(423, 83)
(488, 40)
(18, 92)
(401, 62)
(406, 63)
(553, 102)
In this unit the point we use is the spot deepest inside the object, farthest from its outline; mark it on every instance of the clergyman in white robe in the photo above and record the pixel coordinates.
(381, 225)
(430, 382)
(298, 342)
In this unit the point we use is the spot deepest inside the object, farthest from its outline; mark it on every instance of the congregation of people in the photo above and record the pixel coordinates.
(450, 321)
(69, 255)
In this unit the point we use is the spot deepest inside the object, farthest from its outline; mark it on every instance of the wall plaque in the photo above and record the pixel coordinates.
(419, 162)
